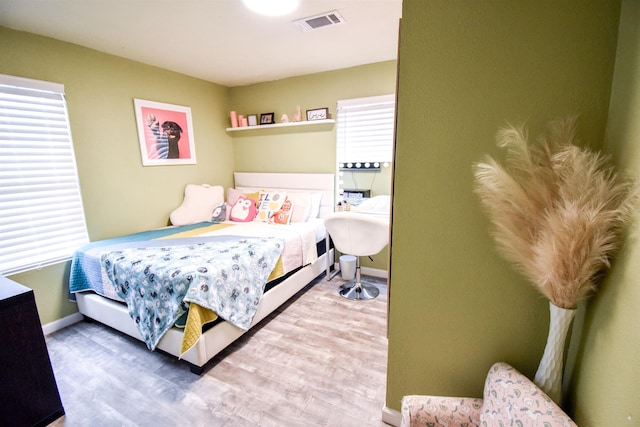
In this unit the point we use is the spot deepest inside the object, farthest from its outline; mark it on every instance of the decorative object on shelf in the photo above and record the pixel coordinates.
(318, 114)
(298, 116)
(165, 133)
(319, 124)
(266, 118)
(252, 119)
(557, 211)
(245, 121)
(234, 119)
(284, 119)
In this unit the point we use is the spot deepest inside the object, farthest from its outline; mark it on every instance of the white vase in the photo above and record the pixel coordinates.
(549, 374)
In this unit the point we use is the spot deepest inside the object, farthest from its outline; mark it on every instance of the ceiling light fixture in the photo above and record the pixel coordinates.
(272, 7)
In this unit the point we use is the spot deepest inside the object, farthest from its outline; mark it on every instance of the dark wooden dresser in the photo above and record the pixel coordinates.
(28, 390)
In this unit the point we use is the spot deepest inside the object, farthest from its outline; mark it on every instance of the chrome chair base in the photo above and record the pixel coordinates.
(358, 291)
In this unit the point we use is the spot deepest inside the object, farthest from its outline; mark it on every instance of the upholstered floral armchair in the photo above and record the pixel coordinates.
(509, 398)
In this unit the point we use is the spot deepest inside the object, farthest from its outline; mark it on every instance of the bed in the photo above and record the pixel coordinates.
(202, 336)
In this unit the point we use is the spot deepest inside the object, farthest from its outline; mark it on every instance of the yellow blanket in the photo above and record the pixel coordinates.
(197, 231)
(200, 316)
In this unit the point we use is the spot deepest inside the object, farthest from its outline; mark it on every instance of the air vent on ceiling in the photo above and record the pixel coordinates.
(319, 21)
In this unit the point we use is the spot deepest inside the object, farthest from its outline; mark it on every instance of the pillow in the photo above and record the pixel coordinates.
(301, 203)
(304, 205)
(314, 210)
(233, 194)
(269, 202)
(243, 210)
(198, 204)
(219, 213)
(283, 216)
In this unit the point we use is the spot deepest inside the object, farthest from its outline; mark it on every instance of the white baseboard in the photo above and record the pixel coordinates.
(373, 272)
(367, 271)
(391, 416)
(56, 325)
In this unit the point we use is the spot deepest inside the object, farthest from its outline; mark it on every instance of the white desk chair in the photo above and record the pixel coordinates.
(358, 234)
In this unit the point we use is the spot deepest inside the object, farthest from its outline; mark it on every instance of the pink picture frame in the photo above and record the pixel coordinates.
(165, 133)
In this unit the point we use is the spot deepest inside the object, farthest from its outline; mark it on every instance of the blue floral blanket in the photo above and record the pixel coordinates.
(227, 277)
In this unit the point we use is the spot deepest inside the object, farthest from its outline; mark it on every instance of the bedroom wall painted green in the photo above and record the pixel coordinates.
(120, 195)
(466, 69)
(449, 319)
(291, 149)
(606, 387)
(308, 149)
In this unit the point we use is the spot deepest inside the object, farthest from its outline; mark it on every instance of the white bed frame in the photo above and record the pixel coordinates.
(218, 337)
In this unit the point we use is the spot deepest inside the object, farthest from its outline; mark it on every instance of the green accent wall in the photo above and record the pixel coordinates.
(120, 195)
(466, 69)
(299, 149)
(308, 148)
(605, 389)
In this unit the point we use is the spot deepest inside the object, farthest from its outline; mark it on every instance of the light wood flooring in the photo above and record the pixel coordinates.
(320, 360)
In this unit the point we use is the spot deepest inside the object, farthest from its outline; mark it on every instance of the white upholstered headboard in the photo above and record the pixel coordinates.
(323, 182)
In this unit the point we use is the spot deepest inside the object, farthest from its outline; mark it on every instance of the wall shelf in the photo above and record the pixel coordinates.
(304, 123)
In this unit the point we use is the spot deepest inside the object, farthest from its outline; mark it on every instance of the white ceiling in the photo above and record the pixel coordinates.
(216, 40)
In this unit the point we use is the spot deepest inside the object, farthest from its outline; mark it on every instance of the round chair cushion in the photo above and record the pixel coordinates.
(356, 233)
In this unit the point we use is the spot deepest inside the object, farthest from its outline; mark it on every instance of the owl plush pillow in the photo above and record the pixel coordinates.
(219, 213)
(243, 210)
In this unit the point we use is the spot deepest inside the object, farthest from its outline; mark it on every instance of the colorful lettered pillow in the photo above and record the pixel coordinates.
(268, 204)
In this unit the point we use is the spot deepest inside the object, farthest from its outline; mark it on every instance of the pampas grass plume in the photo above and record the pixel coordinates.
(557, 210)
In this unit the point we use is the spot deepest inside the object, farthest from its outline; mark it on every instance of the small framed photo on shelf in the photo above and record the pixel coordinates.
(267, 119)
(252, 119)
(318, 114)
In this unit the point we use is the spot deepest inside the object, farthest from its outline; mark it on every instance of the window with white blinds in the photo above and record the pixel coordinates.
(364, 132)
(41, 214)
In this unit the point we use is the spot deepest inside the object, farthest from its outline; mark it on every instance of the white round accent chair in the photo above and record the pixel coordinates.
(359, 234)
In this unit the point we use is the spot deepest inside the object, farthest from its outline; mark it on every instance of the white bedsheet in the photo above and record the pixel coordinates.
(300, 239)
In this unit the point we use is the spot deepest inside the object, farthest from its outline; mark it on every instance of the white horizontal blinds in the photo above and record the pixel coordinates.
(365, 129)
(41, 214)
